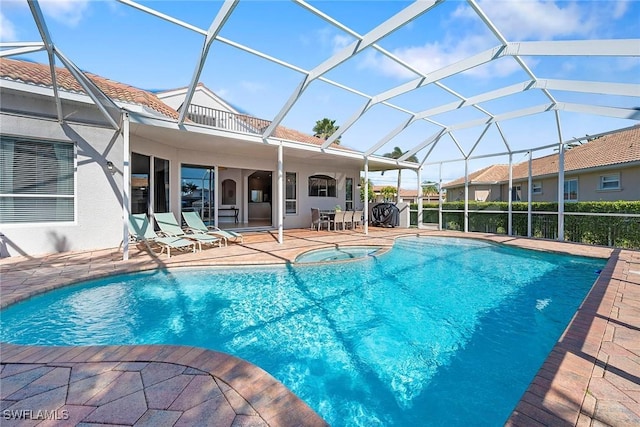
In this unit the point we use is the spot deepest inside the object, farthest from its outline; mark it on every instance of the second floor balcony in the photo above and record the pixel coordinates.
(225, 120)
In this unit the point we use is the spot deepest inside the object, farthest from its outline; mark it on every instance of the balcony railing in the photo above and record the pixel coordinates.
(225, 120)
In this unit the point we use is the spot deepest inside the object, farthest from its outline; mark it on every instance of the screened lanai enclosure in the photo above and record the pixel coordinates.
(456, 85)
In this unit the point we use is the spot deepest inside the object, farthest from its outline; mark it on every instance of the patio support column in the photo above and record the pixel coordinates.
(510, 204)
(560, 181)
(280, 211)
(420, 201)
(366, 195)
(126, 185)
(216, 193)
(466, 195)
(440, 198)
(529, 194)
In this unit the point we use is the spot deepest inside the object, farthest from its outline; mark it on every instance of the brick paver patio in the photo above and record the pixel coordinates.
(591, 378)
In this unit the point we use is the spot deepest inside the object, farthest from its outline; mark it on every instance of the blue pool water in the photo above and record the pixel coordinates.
(433, 332)
(341, 253)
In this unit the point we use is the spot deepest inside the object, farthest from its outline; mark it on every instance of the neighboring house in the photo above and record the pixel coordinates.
(603, 169)
(406, 196)
(63, 163)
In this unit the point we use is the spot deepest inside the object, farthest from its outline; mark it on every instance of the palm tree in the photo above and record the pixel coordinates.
(396, 154)
(325, 128)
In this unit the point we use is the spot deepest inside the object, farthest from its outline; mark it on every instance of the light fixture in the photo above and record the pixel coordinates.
(110, 167)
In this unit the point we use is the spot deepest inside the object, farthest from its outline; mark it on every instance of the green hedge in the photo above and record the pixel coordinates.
(597, 230)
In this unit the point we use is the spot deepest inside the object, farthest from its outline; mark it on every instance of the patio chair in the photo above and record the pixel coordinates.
(317, 220)
(169, 226)
(348, 220)
(358, 218)
(140, 230)
(196, 225)
(338, 219)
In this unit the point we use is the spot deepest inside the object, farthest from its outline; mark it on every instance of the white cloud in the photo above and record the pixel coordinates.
(620, 9)
(534, 19)
(7, 29)
(69, 12)
(331, 38)
(434, 56)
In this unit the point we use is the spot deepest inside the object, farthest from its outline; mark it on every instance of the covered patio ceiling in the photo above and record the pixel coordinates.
(425, 107)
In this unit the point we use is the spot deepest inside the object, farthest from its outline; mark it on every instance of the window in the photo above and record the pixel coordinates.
(571, 189)
(322, 186)
(140, 172)
(36, 181)
(536, 188)
(516, 193)
(349, 194)
(228, 192)
(161, 185)
(291, 189)
(610, 182)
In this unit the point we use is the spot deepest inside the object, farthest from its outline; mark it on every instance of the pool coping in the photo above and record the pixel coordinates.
(577, 385)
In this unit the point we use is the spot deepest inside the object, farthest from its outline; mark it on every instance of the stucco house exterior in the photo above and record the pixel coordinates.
(78, 153)
(602, 169)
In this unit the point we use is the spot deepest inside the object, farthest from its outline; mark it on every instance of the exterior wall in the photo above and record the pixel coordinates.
(477, 192)
(98, 213)
(304, 170)
(588, 186)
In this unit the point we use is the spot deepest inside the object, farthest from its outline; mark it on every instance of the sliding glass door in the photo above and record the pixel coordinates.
(198, 187)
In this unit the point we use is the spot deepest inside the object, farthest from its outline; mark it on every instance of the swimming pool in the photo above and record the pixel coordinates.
(397, 339)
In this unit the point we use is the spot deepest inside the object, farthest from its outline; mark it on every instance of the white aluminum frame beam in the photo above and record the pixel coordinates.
(102, 101)
(36, 12)
(223, 14)
(387, 27)
(12, 49)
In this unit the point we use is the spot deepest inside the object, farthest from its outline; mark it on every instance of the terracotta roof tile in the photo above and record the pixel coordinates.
(616, 148)
(39, 74)
(489, 175)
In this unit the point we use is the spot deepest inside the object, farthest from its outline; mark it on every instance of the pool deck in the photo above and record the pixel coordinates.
(590, 378)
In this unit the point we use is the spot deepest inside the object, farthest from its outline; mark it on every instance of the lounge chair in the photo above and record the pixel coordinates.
(196, 225)
(169, 226)
(141, 231)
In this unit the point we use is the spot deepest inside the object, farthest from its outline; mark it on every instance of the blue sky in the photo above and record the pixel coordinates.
(121, 43)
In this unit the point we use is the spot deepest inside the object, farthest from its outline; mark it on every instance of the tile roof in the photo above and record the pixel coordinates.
(40, 75)
(613, 149)
(489, 175)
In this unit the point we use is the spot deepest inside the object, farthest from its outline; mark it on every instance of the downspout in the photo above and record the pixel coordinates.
(126, 185)
(280, 198)
(529, 195)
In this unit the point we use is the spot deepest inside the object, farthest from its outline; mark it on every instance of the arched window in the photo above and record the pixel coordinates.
(228, 192)
(322, 186)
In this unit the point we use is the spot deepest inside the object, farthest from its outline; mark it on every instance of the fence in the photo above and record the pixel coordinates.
(615, 224)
